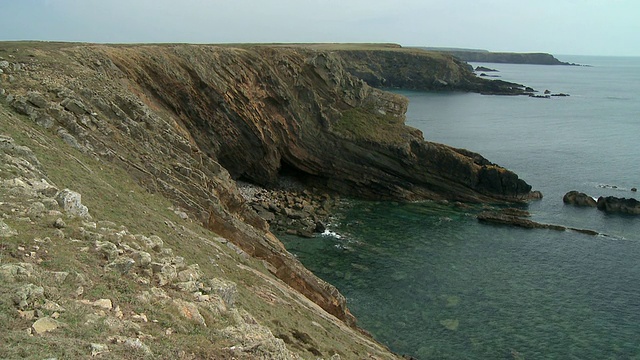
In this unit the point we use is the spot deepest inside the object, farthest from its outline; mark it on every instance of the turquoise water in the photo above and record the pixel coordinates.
(429, 281)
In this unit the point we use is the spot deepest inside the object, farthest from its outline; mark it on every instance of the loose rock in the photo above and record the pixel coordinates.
(45, 325)
(71, 202)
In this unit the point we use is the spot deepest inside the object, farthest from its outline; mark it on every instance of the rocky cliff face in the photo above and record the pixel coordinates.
(508, 58)
(186, 121)
(421, 70)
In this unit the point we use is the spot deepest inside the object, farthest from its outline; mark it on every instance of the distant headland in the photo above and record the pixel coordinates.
(485, 56)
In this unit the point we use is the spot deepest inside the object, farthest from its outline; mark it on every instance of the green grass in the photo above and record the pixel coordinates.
(361, 124)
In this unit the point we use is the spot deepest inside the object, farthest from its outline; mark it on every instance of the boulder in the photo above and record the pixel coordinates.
(44, 325)
(27, 295)
(612, 204)
(578, 199)
(6, 230)
(16, 272)
(75, 106)
(121, 265)
(190, 311)
(36, 99)
(71, 202)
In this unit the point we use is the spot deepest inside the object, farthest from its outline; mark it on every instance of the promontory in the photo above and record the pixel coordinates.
(123, 230)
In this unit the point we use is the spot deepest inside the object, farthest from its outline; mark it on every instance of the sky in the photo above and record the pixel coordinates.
(569, 27)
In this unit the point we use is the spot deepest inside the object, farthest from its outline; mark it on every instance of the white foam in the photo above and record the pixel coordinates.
(331, 234)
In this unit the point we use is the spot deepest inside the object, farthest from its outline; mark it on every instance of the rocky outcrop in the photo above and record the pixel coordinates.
(578, 199)
(612, 204)
(517, 218)
(186, 121)
(485, 69)
(506, 57)
(103, 290)
(415, 69)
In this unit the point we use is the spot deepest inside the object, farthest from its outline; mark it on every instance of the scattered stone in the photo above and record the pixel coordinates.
(190, 274)
(27, 314)
(187, 286)
(107, 249)
(142, 258)
(140, 318)
(26, 295)
(16, 272)
(98, 349)
(52, 306)
(71, 202)
(44, 325)
(153, 242)
(164, 273)
(57, 277)
(36, 210)
(121, 265)
(59, 224)
(6, 230)
(289, 209)
(182, 215)
(190, 311)
(137, 344)
(103, 303)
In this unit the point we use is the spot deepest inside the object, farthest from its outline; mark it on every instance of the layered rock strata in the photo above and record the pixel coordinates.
(422, 70)
(186, 121)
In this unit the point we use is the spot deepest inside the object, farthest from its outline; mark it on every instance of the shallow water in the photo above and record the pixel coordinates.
(430, 281)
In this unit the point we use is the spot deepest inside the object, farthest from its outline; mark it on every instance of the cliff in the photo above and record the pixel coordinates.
(413, 69)
(504, 57)
(184, 122)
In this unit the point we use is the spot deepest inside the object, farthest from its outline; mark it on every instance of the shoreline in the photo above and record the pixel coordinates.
(290, 207)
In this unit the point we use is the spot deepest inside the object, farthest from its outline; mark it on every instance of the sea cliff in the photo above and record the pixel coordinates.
(485, 56)
(185, 122)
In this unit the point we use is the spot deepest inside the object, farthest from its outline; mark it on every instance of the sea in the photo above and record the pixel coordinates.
(431, 282)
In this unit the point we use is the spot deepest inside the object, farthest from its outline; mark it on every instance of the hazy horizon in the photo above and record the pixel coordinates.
(559, 27)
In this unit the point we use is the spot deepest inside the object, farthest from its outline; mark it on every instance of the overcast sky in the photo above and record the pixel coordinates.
(572, 27)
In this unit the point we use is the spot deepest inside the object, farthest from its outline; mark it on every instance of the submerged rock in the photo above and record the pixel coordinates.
(504, 217)
(450, 324)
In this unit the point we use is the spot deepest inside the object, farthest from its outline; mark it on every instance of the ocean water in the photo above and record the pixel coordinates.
(430, 281)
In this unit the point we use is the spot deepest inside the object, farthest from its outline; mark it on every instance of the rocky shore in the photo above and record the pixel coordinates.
(76, 284)
(140, 129)
(291, 208)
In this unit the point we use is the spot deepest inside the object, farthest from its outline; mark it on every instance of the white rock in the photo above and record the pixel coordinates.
(44, 325)
(71, 202)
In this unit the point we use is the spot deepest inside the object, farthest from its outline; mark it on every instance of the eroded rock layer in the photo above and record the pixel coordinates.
(187, 120)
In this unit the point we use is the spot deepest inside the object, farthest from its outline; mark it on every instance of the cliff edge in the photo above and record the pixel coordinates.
(186, 121)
